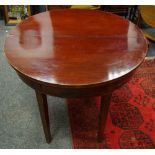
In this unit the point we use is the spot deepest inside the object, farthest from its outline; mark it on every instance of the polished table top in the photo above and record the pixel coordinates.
(75, 47)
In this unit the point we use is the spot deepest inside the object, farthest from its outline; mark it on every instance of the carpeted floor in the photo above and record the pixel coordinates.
(20, 124)
(131, 118)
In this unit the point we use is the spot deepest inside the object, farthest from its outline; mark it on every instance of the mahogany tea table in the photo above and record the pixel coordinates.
(73, 53)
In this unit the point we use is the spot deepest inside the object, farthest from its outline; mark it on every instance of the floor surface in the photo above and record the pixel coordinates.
(20, 124)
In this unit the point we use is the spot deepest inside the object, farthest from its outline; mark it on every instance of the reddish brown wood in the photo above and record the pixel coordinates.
(75, 53)
(43, 108)
(104, 108)
(73, 48)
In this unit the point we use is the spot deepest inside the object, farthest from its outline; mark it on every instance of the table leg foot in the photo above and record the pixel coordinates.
(104, 109)
(43, 108)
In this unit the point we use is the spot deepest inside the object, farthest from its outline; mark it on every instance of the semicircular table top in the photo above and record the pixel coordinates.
(75, 47)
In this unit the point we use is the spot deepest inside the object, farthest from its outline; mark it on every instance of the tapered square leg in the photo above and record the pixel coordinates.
(43, 108)
(104, 109)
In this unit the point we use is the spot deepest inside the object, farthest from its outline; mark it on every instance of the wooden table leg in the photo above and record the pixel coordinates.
(43, 108)
(104, 109)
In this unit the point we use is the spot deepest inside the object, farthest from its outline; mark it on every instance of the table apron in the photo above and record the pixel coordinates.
(75, 92)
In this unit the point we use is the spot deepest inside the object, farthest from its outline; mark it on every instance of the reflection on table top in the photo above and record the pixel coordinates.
(75, 47)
